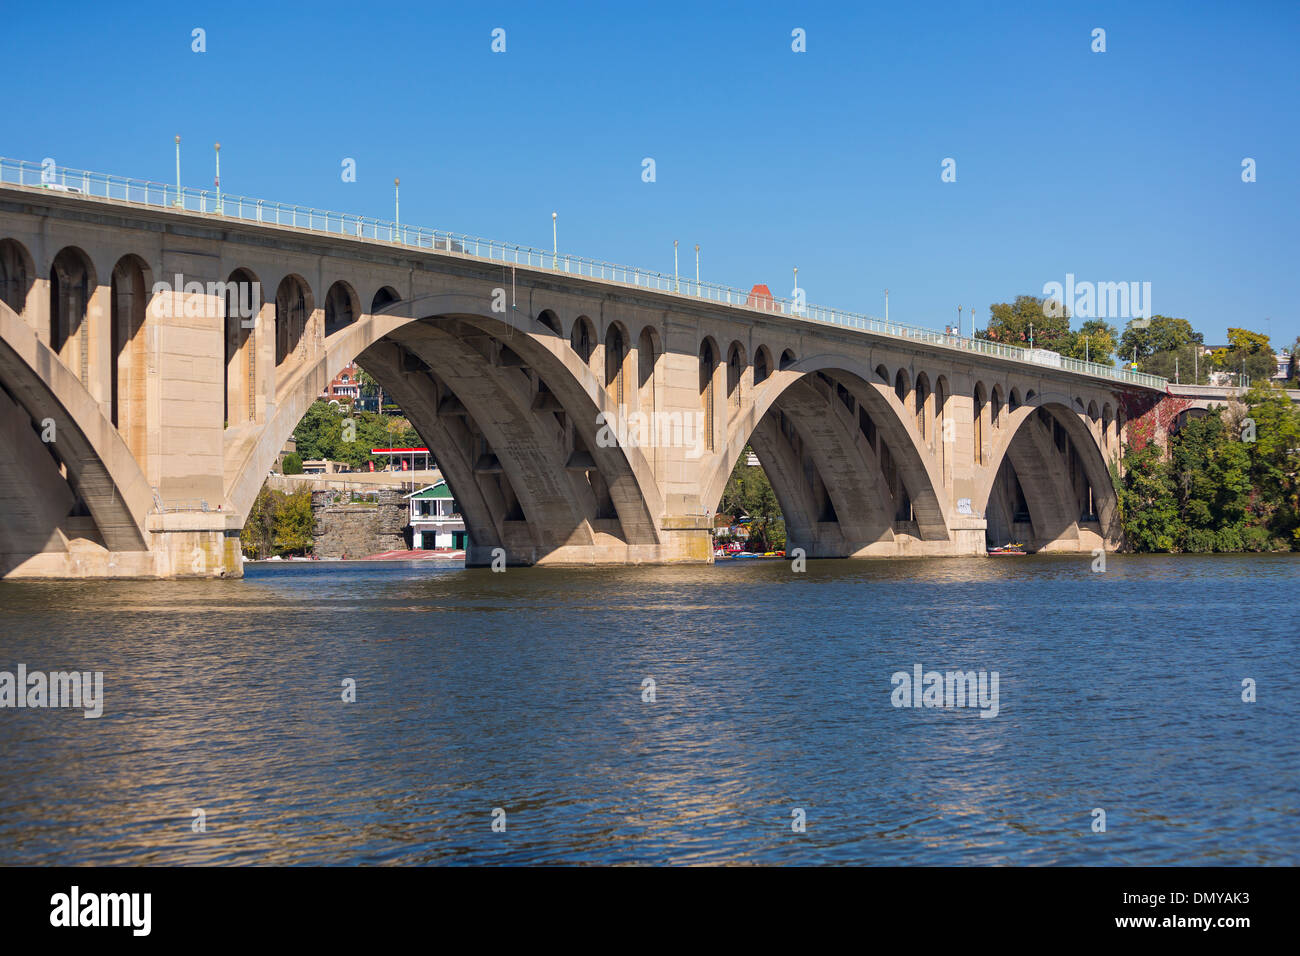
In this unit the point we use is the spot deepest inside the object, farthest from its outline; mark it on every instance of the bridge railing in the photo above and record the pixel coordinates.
(211, 202)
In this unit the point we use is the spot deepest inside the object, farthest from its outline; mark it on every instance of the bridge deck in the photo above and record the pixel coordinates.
(23, 176)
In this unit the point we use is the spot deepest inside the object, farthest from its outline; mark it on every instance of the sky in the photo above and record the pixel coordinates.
(1115, 166)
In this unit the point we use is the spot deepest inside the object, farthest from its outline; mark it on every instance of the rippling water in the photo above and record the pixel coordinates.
(523, 691)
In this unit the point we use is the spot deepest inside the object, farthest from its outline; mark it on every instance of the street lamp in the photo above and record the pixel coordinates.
(180, 201)
(697, 268)
(217, 181)
(794, 306)
(886, 306)
(676, 285)
(555, 243)
(397, 206)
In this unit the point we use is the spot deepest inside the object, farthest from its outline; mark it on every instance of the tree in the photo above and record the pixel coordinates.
(1009, 323)
(1095, 341)
(293, 463)
(320, 434)
(1227, 482)
(1148, 504)
(1161, 333)
(749, 493)
(294, 523)
(255, 538)
(1246, 350)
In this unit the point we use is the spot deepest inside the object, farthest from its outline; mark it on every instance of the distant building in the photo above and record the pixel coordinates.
(323, 466)
(435, 520)
(405, 459)
(345, 388)
(760, 297)
(1285, 366)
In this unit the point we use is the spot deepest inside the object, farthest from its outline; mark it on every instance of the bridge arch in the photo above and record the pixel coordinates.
(241, 311)
(72, 283)
(342, 307)
(1050, 459)
(844, 457)
(582, 338)
(512, 419)
(130, 298)
(618, 354)
(17, 275)
(762, 364)
(294, 313)
(384, 297)
(737, 366)
(68, 482)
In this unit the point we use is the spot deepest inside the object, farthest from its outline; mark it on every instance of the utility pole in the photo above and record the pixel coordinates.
(180, 201)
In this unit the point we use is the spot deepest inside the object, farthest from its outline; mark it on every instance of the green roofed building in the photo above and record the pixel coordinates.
(436, 521)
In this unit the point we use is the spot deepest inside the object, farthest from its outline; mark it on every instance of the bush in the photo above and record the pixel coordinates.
(1229, 541)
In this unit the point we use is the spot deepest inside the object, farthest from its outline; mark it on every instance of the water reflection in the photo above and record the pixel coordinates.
(523, 691)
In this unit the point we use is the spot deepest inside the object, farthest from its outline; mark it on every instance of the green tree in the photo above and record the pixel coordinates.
(749, 493)
(294, 523)
(322, 430)
(1219, 486)
(1010, 323)
(293, 463)
(256, 537)
(1161, 333)
(1275, 461)
(1148, 502)
(1095, 340)
(1248, 351)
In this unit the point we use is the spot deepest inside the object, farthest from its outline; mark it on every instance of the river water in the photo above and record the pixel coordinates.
(518, 697)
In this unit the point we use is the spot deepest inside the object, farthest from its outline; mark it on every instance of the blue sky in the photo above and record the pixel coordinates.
(1115, 166)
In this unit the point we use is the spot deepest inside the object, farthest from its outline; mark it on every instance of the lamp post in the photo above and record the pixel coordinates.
(217, 181)
(958, 321)
(180, 201)
(972, 321)
(1031, 335)
(794, 306)
(886, 306)
(555, 243)
(397, 206)
(697, 268)
(676, 285)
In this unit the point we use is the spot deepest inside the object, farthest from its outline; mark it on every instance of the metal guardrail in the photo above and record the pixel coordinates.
(212, 202)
